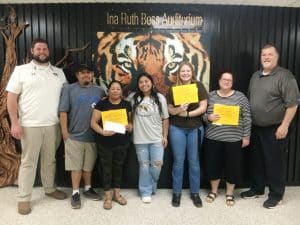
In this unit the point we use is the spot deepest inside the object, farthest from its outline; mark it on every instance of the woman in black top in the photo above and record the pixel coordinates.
(112, 146)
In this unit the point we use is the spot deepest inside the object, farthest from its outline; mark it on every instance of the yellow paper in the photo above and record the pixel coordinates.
(185, 94)
(115, 116)
(229, 114)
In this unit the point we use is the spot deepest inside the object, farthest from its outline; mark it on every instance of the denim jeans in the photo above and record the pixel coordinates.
(150, 157)
(184, 142)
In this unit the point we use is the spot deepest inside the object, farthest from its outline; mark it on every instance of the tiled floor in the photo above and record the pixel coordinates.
(47, 211)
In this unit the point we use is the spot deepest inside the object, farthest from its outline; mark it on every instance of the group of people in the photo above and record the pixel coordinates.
(39, 99)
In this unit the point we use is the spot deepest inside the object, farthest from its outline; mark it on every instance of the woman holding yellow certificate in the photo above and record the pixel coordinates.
(187, 101)
(111, 121)
(228, 131)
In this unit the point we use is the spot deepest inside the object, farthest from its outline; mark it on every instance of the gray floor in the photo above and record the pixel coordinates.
(47, 211)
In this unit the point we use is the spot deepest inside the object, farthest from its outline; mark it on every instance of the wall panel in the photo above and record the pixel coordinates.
(237, 34)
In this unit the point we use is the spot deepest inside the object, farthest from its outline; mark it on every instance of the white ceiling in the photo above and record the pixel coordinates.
(280, 3)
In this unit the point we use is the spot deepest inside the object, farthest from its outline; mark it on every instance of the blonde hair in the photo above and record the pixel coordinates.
(193, 79)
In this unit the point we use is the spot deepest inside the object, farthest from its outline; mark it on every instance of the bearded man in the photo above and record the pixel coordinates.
(32, 103)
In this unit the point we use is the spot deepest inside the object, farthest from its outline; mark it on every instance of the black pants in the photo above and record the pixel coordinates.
(221, 156)
(112, 160)
(267, 161)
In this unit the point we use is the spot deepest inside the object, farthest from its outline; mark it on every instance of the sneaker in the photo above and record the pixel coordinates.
(75, 201)
(196, 200)
(176, 199)
(24, 208)
(271, 203)
(92, 194)
(57, 194)
(251, 194)
(146, 199)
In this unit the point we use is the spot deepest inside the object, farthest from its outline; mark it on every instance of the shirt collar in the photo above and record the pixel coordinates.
(49, 69)
(260, 74)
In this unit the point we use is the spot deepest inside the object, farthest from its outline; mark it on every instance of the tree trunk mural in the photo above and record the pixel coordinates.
(9, 158)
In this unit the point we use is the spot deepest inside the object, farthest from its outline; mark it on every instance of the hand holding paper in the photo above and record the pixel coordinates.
(115, 120)
(107, 133)
(115, 127)
(229, 114)
(213, 117)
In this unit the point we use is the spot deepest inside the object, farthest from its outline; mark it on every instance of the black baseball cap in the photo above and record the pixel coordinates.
(82, 67)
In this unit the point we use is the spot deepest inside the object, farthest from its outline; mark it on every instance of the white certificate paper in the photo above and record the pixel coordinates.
(116, 127)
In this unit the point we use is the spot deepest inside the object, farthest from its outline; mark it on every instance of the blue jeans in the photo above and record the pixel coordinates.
(150, 157)
(184, 142)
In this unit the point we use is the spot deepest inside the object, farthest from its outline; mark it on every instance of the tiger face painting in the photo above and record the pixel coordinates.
(123, 56)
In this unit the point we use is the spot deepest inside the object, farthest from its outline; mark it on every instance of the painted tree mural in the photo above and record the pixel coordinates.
(9, 158)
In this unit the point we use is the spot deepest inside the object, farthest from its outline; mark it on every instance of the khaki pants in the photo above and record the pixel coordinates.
(43, 142)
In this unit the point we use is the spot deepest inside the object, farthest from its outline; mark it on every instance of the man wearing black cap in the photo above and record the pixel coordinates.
(76, 105)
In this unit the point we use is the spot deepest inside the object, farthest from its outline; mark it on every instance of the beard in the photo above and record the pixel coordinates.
(86, 83)
(39, 60)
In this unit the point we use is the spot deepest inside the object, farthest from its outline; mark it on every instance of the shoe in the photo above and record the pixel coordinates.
(251, 194)
(271, 203)
(211, 196)
(146, 199)
(24, 208)
(107, 204)
(196, 200)
(230, 200)
(92, 194)
(57, 194)
(120, 199)
(75, 201)
(176, 200)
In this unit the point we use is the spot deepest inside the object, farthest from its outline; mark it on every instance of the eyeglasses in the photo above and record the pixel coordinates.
(226, 80)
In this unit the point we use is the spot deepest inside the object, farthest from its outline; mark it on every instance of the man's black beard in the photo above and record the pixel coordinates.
(36, 58)
(86, 83)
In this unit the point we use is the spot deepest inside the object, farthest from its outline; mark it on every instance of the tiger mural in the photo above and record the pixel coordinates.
(123, 56)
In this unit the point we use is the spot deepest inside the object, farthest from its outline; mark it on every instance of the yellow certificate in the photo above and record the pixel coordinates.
(116, 116)
(185, 94)
(229, 114)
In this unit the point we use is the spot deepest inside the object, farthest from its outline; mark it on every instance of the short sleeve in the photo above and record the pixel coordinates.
(164, 106)
(169, 96)
(64, 103)
(99, 106)
(128, 106)
(14, 84)
(290, 91)
(202, 93)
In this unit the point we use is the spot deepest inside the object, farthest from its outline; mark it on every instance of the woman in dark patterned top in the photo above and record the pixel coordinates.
(223, 142)
(112, 146)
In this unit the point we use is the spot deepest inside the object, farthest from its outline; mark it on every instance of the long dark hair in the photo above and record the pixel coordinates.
(139, 95)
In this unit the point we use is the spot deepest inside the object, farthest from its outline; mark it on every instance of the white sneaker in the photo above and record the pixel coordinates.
(146, 199)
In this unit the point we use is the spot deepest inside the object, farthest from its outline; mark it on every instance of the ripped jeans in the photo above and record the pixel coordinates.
(150, 157)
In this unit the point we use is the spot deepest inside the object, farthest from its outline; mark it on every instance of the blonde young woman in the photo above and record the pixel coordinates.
(185, 129)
